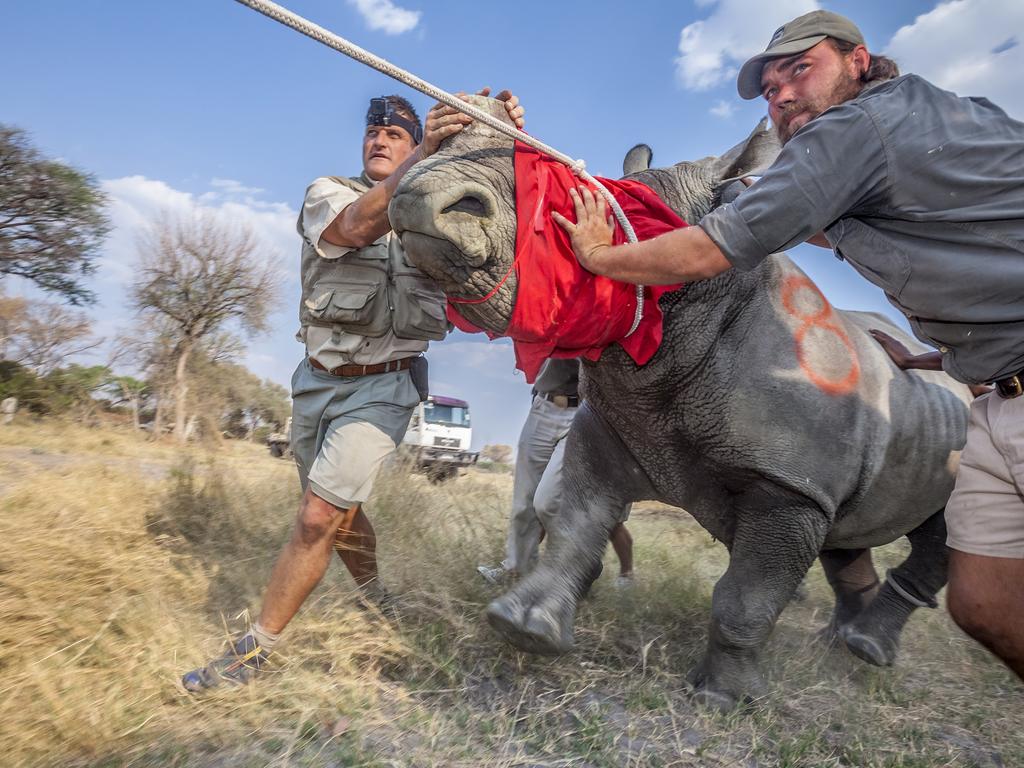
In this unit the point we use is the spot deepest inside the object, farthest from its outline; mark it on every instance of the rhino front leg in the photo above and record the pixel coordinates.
(777, 537)
(599, 477)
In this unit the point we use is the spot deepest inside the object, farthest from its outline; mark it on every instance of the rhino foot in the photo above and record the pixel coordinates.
(723, 695)
(877, 650)
(715, 701)
(534, 629)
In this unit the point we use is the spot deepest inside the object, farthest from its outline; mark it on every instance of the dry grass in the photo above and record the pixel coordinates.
(115, 571)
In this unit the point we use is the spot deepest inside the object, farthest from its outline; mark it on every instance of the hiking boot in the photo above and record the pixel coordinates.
(239, 664)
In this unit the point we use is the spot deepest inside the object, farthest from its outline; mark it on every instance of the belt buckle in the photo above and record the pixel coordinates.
(1011, 387)
(562, 401)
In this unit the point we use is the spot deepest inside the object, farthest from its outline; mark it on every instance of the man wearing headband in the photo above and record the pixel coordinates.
(922, 192)
(366, 317)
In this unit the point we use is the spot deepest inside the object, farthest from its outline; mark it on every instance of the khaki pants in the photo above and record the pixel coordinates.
(985, 514)
(343, 428)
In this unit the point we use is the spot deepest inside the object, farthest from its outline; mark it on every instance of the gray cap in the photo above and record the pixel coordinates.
(801, 34)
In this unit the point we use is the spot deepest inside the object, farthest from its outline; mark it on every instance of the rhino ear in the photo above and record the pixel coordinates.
(752, 156)
(637, 159)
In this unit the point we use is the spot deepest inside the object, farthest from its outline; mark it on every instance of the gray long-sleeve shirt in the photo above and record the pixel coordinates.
(559, 377)
(922, 192)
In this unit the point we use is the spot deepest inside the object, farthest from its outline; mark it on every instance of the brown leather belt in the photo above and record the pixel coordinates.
(365, 370)
(1011, 386)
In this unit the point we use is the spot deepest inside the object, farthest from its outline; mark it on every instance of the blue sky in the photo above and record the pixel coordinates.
(205, 103)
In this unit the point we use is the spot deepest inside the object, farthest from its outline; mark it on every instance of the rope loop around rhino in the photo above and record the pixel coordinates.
(289, 19)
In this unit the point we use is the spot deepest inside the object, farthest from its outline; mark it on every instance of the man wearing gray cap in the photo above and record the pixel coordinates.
(922, 192)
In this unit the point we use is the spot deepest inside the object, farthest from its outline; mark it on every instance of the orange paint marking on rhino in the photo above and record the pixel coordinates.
(821, 318)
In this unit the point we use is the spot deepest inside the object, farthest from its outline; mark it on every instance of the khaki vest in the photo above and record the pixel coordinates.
(371, 290)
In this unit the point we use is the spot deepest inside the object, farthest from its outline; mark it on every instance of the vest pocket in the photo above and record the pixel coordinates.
(419, 312)
(355, 307)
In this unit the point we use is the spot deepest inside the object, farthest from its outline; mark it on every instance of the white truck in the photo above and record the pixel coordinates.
(439, 436)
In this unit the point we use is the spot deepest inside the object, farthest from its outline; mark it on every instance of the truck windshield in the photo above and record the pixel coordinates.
(451, 415)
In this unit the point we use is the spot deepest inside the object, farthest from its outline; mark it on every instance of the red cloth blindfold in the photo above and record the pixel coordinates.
(562, 310)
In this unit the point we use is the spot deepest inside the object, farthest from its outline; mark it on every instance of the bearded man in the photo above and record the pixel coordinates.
(922, 192)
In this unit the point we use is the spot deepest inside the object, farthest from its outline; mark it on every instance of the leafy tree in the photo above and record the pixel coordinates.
(52, 219)
(254, 403)
(127, 390)
(33, 393)
(199, 277)
(74, 388)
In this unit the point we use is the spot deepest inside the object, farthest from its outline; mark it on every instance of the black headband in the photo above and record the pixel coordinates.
(383, 112)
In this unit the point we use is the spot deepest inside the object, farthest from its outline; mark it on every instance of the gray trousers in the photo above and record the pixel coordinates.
(537, 489)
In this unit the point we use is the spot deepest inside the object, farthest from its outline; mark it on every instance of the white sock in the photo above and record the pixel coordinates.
(265, 639)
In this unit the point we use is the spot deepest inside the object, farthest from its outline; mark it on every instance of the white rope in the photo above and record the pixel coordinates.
(309, 29)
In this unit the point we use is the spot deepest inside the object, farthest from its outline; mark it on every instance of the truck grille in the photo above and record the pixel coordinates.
(446, 442)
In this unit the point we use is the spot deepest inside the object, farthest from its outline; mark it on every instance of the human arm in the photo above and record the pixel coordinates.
(907, 360)
(681, 255)
(365, 220)
(832, 168)
(903, 357)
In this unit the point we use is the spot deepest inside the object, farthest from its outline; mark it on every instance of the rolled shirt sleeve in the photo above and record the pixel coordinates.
(325, 199)
(833, 166)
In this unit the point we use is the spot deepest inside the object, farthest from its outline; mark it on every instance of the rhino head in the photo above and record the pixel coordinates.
(455, 211)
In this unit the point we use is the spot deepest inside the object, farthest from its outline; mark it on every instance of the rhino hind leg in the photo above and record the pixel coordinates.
(851, 574)
(778, 534)
(874, 634)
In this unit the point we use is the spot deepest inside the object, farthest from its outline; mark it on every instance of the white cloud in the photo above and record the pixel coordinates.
(711, 50)
(135, 201)
(234, 188)
(723, 109)
(972, 47)
(386, 16)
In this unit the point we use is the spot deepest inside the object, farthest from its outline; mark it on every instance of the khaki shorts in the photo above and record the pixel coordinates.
(985, 514)
(344, 428)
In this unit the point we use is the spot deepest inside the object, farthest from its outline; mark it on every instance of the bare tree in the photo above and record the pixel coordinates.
(46, 334)
(12, 310)
(200, 276)
(41, 334)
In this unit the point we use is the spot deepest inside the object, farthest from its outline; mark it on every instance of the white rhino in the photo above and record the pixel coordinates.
(777, 422)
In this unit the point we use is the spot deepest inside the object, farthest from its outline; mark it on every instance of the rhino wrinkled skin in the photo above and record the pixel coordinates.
(777, 422)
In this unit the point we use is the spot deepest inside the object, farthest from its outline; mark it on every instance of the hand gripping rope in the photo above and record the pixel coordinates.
(309, 29)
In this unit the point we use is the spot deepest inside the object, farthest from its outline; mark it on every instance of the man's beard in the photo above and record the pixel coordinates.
(844, 89)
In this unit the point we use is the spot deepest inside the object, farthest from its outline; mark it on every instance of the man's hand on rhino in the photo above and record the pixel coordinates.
(444, 121)
(903, 357)
(592, 232)
(906, 360)
(895, 349)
